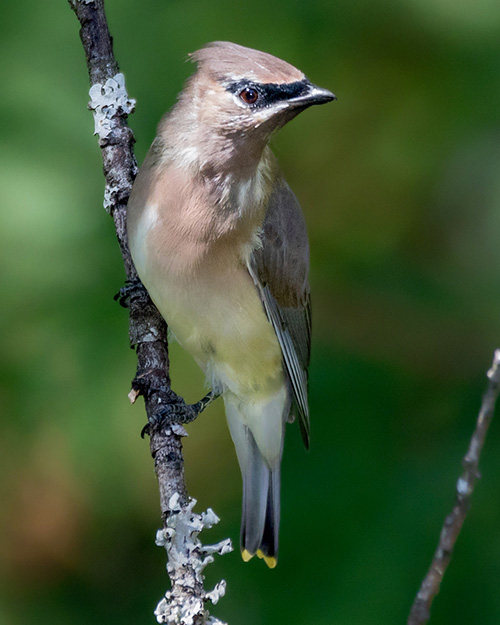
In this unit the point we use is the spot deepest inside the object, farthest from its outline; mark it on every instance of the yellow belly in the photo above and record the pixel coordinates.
(221, 322)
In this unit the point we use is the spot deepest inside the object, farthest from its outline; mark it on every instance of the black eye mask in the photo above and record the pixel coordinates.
(270, 93)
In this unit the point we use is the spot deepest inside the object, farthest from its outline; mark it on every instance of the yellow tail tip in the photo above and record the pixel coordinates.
(246, 555)
(271, 561)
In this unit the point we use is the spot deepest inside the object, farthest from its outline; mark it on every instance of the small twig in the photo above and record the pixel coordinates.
(420, 611)
(184, 604)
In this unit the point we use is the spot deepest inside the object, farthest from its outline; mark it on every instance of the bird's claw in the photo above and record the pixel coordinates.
(126, 293)
(177, 412)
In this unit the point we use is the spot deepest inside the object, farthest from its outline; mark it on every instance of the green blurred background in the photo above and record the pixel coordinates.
(400, 182)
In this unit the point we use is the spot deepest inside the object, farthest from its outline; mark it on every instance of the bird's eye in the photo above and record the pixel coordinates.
(249, 95)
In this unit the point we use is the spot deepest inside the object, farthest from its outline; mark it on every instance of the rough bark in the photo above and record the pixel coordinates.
(184, 604)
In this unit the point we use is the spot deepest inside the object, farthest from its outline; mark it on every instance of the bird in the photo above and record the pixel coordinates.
(219, 240)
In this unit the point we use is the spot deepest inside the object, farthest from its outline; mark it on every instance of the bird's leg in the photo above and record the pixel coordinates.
(204, 402)
(176, 411)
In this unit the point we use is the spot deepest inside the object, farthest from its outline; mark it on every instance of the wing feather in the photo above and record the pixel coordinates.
(279, 269)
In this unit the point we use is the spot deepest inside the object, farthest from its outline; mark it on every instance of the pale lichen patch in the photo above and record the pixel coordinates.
(107, 101)
(187, 558)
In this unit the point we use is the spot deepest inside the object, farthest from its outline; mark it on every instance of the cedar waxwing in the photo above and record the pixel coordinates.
(219, 241)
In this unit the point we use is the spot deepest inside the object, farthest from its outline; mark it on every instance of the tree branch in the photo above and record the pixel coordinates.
(184, 604)
(420, 611)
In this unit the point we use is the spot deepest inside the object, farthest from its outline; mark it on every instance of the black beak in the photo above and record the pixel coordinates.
(312, 95)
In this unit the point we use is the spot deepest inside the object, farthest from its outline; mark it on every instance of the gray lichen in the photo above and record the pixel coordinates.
(107, 101)
(187, 557)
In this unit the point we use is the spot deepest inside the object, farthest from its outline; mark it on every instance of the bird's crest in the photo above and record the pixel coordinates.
(225, 60)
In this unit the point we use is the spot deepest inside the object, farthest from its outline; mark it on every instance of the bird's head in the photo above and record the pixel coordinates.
(239, 97)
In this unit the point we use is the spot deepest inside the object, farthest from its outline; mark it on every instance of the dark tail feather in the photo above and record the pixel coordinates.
(261, 508)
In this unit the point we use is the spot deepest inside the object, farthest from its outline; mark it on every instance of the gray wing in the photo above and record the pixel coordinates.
(280, 271)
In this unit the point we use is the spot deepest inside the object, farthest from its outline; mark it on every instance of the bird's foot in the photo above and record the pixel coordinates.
(133, 288)
(178, 412)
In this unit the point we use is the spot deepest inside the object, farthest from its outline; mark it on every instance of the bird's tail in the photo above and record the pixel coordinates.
(260, 469)
(260, 515)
